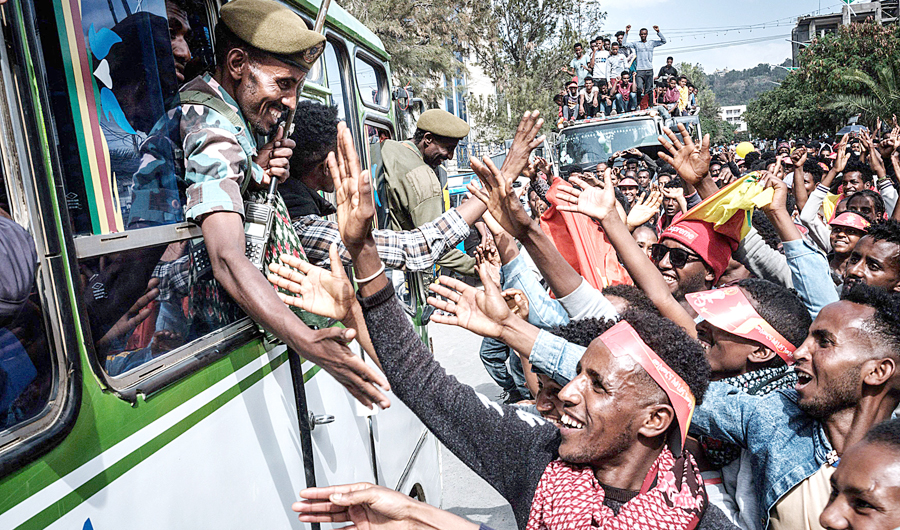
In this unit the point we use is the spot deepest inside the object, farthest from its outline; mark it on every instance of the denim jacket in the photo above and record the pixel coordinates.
(811, 275)
(786, 445)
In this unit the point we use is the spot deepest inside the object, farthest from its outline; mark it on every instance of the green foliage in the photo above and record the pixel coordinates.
(879, 95)
(719, 130)
(425, 38)
(522, 52)
(830, 85)
(738, 87)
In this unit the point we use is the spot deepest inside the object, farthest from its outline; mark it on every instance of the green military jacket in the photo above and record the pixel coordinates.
(415, 197)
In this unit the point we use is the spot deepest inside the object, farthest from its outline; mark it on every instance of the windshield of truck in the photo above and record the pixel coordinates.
(595, 144)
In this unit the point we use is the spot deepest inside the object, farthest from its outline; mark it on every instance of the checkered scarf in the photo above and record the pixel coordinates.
(569, 497)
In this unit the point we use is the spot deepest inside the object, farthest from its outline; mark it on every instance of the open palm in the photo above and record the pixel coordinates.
(480, 312)
(326, 293)
(592, 201)
(353, 191)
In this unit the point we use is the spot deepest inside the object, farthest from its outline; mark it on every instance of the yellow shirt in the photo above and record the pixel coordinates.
(800, 508)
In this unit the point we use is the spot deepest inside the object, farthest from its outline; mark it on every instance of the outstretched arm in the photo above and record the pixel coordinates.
(600, 204)
(690, 160)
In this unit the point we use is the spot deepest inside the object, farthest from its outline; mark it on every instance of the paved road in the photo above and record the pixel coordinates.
(465, 493)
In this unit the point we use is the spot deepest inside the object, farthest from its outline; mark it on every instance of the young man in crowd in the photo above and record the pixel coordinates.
(578, 66)
(599, 61)
(588, 99)
(643, 50)
(615, 457)
(668, 70)
(617, 62)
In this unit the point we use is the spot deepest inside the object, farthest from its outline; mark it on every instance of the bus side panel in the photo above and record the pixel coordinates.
(239, 467)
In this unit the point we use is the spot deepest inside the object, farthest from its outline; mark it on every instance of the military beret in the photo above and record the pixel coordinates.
(274, 29)
(442, 123)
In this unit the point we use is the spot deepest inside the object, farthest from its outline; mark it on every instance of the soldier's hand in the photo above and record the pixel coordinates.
(275, 158)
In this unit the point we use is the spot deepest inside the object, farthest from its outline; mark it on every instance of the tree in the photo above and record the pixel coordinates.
(719, 130)
(522, 53)
(426, 38)
(879, 96)
(812, 101)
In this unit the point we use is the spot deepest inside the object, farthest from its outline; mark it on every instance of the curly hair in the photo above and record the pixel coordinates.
(780, 307)
(315, 131)
(766, 229)
(684, 355)
(635, 297)
(885, 323)
(864, 169)
(877, 202)
(886, 433)
(812, 167)
(888, 230)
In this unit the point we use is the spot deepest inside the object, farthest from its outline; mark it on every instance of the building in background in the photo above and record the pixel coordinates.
(808, 28)
(734, 115)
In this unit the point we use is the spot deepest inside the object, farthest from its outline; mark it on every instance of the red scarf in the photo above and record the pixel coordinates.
(569, 497)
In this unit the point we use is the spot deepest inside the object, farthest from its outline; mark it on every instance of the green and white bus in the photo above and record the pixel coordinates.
(211, 427)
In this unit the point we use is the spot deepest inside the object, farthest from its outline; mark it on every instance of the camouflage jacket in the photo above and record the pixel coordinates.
(216, 155)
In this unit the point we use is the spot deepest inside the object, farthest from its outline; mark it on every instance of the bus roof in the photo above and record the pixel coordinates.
(340, 18)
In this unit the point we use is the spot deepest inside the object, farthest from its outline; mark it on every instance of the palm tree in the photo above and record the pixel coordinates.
(877, 96)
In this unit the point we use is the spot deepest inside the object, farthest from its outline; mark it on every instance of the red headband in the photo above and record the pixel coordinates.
(621, 340)
(729, 310)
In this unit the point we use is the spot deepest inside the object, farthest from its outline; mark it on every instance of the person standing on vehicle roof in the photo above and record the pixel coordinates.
(414, 193)
(644, 51)
(263, 53)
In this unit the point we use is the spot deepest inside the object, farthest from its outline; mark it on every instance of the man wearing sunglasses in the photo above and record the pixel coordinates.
(692, 256)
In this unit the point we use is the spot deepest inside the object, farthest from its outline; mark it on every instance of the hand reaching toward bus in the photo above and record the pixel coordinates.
(525, 141)
(500, 198)
(353, 192)
(481, 312)
(517, 302)
(689, 160)
(370, 507)
(595, 202)
(329, 294)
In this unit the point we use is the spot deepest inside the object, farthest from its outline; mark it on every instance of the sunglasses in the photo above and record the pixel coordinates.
(677, 257)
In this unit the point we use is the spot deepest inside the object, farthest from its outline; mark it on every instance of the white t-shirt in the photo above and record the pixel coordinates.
(589, 98)
(616, 65)
(601, 64)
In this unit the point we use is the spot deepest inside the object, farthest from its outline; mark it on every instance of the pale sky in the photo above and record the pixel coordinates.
(714, 23)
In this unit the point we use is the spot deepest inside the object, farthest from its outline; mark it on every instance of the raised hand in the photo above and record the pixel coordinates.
(592, 201)
(525, 141)
(329, 294)
(501, 200)
(689, 160)
(353, 192)
(842, 155)
(644, 209)
(481, 312)
(542, 166)
(656, 29)
(779, 200)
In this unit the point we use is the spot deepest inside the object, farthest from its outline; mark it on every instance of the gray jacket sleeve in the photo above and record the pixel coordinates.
(763, 261)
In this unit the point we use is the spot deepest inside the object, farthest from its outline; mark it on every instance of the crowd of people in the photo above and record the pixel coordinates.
(615, 76)
(709, 339)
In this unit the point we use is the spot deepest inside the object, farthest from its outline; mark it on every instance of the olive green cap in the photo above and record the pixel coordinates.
(442, 123)
(274, 29)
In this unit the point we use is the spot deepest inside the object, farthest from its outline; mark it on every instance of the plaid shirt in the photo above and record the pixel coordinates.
(174, 278)
(413, 250)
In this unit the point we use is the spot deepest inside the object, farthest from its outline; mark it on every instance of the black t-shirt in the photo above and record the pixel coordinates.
(302, 201)
(667, 70)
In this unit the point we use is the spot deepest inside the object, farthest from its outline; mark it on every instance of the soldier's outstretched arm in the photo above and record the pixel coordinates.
(224, 236)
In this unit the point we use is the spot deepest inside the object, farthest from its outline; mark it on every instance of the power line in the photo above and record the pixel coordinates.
(725, 44)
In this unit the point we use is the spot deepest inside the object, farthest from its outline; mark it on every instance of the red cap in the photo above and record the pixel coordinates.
(851, 220)
(628, 182)
(713, 246)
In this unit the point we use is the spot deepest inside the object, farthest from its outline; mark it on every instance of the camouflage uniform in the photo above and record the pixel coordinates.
(217, 159)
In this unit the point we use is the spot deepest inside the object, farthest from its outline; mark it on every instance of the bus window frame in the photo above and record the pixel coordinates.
(169, 368)
(25, 136)
(384, 88)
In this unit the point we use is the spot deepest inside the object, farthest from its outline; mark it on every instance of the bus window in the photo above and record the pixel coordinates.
(371, 81)
(27, 370)
(335, 82)
(122, 169)
(144, 303)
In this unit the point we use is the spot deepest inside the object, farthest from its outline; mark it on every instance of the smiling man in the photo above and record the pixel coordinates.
(414, 194)
(848, 381)
(263, 53)
(865, 489)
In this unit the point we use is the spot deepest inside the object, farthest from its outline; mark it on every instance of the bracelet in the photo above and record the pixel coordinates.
(370, 278)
